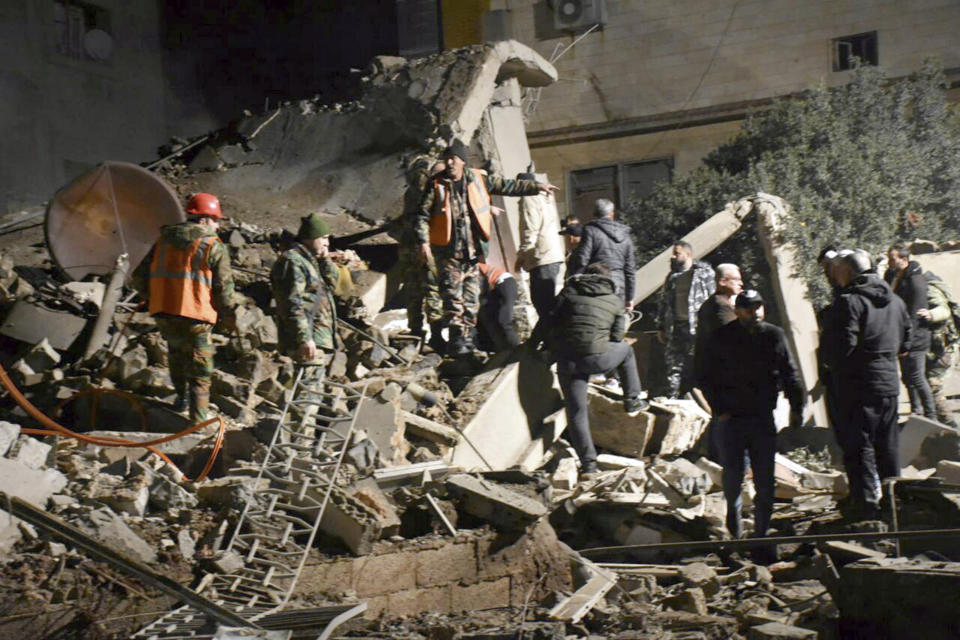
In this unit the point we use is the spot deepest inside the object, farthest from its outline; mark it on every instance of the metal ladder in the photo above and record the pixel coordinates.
(278, 524)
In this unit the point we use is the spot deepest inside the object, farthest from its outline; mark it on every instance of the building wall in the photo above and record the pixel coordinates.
(656, 66)
(59, 114)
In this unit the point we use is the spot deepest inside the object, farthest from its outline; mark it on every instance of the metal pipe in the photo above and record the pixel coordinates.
(754, 542)
(110, 298)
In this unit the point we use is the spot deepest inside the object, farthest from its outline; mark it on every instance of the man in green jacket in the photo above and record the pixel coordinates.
(303, 281)
(585, 330)
(942, 355)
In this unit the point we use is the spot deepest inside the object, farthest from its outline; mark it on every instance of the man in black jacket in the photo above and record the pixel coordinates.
(871, 328)
(585, 330)
(906, 279)
(608, 242)
(747, 363)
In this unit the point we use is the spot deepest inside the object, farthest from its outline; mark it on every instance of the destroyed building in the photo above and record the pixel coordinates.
(408, 498)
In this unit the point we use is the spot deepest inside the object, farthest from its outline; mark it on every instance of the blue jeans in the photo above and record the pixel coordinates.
(736, 436)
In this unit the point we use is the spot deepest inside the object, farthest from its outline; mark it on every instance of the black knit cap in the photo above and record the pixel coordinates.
(456, 148)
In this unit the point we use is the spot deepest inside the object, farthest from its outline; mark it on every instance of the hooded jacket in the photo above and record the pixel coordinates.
(911, 286)
(587, 317)
(607, 241)
(872, 328)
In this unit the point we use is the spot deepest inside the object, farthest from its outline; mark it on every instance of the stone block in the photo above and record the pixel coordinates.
(384, 426)
(490, 502)
(227, 385)
(151, 381)
(229, 491)
(480, 596)
(33, 485)
(780, 631)
(8, 435)
(565, 476)
(186, 544)
(350, 520)
(679, 427)
(328, 579)
(42, 356)
(370, 495)
(428, 429)
(167, 494)
(692, 600)
(449, 563)
(416, 601)
(949, 470)
(109, 528)
(387, 573)
(698, 574)
(271, 389)
(614, 430)
(31, 452)
(228, 562)
(121, 495)
(236, 409)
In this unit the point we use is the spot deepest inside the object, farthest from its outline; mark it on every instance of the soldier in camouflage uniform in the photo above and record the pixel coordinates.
(419, 279)
(303, 281)
(943, 344)
(686, 288)
(187, 280)
(455, 224)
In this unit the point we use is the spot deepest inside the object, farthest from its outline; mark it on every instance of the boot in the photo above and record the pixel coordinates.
(459, 345)
(437, 343)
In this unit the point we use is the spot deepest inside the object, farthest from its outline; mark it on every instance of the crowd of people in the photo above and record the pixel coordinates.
(714, 333)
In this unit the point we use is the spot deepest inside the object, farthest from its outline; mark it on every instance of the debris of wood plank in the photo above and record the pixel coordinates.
(573, 608)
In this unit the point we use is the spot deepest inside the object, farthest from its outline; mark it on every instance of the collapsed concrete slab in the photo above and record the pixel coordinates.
(501, 507)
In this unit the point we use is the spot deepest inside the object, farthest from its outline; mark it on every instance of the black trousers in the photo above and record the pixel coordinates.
(496, 316)
(736, 437)
(543, 287)
(913, 372)
(869, 436)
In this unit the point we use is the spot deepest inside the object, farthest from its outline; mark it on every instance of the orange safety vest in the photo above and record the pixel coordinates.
(491, 273)
(441, 220)
(181, 280)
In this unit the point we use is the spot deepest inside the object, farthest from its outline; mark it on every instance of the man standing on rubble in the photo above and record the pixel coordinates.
(747, 364)
(188, 283)
(455, 226)
(939, 314)
(541, 250)
(688, 285)
(717, 311)
(608, 242)
(585, 331)
(872, 328)
(303, 281)
(906, 279)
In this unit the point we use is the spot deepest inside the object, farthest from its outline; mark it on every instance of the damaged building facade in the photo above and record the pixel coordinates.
(404, 497)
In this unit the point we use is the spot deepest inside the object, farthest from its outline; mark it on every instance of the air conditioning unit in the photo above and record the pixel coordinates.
(578, 15)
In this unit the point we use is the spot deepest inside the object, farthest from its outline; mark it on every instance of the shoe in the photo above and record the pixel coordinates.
(436, 342)
(612, 384)
(633, 406)
(589, 472)
(180, 404)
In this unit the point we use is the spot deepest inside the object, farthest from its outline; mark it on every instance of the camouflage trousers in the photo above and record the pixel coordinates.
(191, 360)
(939, 367)
(459, 282)
(678, 357)
(422, 292)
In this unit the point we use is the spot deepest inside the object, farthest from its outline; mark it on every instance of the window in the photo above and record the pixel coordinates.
(418, 27)
(621, 183)
(82, 30)
(862, 46)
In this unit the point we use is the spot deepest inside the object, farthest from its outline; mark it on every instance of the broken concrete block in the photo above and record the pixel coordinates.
(167, 494)
(126, 364)
(110, 529)
(228, 562)
(357, 525)
(712, 469)
(236, 409)
(919, 435)
(9, 432)
(684, 476)
(698, 574)
(151, 381)
(20, 371)
(832, 481)
(363, 455)
(609, 461)
(31, 452)
(692, 600)
(271, 389)
(225, 632)
(949, 470)
(33, 485)
(614, 430)
(186, 544)
(566, 475)
(42, 356)
(121, 495)
(370, 494)
(429, 430)
(680, 425)
(384, 426)
(230, 386)
(499, 506)
(779, 631)
(229, 491)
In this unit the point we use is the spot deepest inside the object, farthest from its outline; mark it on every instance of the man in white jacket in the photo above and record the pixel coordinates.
(541, 249)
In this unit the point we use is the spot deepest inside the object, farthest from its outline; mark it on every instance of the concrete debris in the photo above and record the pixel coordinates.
(110, 529)
(492, 503)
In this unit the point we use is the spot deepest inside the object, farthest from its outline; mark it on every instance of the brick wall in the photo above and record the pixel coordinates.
(475, 570)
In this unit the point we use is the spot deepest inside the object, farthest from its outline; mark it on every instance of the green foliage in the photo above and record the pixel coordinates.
(863, 165)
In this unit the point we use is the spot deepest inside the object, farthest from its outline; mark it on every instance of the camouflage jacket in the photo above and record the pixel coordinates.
(223, 292)
(466, 241)
(297, 279)
(702, 287)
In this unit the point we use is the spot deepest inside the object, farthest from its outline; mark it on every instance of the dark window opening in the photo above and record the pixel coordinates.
(622, 184)
(862, 46)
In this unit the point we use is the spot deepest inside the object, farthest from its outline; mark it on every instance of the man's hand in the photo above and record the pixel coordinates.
(925, 314)
(496, 211)
(426, 253)
(629, 306)
(546, 188)
(662, 337)
(307, 351)
(796, 419)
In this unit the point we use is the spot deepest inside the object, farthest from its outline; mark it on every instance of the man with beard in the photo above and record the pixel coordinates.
(747, 363)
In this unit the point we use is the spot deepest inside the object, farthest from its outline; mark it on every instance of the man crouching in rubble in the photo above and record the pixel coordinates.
(585, 331)
(303, 281)
(188, 283)
(746, 364)
(455, 225)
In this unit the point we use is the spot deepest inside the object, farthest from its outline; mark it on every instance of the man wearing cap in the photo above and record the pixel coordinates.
(747, 364)
(303, 281)
(188, 283)
(540, 251)
(455, 226)
(872, 328)
(572, 231)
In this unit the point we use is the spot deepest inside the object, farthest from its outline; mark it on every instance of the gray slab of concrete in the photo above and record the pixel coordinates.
(917, 431)
(514, 401)
(42, 356)
(780, 631)
(30, 484)
(612, 429)
(31, 452)
(680, 425)
(386, 428)
(495, 504)
(246, 633)
(8, 435)
(110, 529)
(429, 430)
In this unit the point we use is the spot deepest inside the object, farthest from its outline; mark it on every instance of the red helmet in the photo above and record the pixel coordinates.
(204, 204)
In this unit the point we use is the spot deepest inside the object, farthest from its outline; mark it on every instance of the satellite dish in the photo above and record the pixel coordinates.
(116, 208)
(98, 44)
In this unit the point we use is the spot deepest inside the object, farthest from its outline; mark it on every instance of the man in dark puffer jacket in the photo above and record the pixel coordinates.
(585, 331)
(608, 242)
